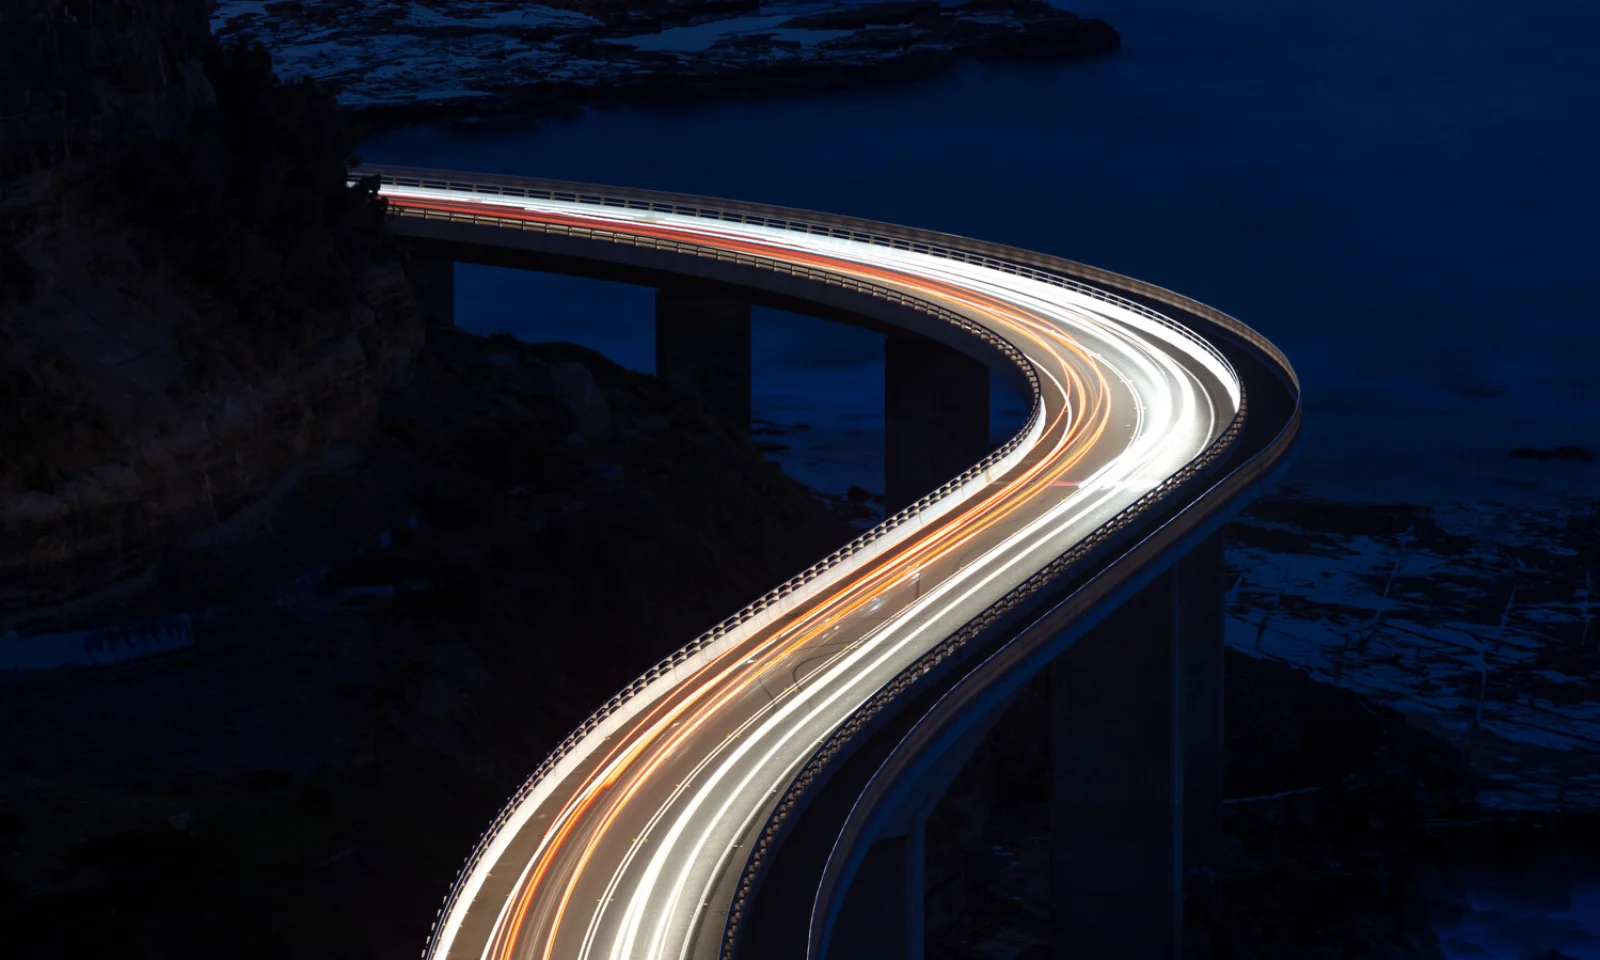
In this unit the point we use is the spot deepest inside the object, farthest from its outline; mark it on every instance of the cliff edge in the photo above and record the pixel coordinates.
(195, 310)
(409, 567)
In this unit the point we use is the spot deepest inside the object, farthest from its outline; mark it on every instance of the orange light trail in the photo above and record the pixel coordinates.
(737, 671)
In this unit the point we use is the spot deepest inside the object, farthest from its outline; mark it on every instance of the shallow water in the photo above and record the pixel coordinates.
(1399, 195)
(1519, 913)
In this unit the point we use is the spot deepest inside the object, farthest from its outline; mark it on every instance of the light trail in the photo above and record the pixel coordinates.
(630, 851)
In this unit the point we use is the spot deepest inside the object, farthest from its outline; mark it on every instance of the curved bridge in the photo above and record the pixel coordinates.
(739, 798)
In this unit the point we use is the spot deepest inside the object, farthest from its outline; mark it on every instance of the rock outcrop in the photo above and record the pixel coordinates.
(487, 58)
(333, 755)
(197, 309)
(73, 75)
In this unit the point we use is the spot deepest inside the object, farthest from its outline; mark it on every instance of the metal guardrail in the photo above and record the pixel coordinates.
(1043, 268)
(1052, 270)
(772, 597)
(837, 747)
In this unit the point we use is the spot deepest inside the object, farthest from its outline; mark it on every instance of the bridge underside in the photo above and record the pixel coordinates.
(703, 347)
(1136, 771)
(1135, 745)
(1136, 750)
(936, 397)
(435, 281)
(936, 417)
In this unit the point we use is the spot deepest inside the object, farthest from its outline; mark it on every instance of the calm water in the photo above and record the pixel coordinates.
(1401, 195)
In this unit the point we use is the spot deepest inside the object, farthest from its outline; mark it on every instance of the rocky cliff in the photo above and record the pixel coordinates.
(74, 74)
(306, 782)
(202, 338)
(196, 309)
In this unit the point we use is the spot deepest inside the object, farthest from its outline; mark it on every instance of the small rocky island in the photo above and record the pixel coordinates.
(412, 60)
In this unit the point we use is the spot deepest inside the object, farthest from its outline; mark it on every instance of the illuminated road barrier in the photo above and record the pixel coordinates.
(659, 238)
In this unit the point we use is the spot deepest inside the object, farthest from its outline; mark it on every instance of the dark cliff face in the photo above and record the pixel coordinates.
(308, 780)
(73, 74)
(211, 379)
(196, 309)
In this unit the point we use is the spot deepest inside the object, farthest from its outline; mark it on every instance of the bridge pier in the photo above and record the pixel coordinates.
(1202, 585)
(435, 281)
(1136, 766)
(1204, 609)
(882, 915)
(703, 347)
(875, 920)
(936, 416)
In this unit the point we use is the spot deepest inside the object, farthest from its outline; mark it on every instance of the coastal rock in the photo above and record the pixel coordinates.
(1476, 620)
(859, 17)
(576, 387)
(73, 75)
(492, 57)
(336, 754)
(1569, 453)
(202, 314)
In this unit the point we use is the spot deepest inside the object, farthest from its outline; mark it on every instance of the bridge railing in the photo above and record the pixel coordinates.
(1082, 279)
(870, 538)
(1043, 268)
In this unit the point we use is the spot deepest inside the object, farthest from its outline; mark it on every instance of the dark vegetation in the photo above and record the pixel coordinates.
(17, 276)
(44, 425)
(158, 158)
(252, 206)
(306, 780)
(309, 779)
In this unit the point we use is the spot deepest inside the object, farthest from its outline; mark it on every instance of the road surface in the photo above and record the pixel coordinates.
(630, 847)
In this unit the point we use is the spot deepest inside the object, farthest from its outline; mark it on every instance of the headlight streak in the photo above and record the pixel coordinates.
(922, 620)
(1029, 312)
(862, 596)
(851, 659)
(1015, 286)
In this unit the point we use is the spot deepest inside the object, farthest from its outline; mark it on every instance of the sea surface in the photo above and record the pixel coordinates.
(1402, 195)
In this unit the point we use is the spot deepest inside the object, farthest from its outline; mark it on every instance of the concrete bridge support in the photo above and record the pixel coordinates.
(884, 913)
(703, 347)
(435, 281)
(1136, 755)
(882, 916)
(1203, 592)
(936, 416)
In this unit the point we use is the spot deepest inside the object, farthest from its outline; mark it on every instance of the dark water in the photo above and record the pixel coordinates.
(1400, 194)
(1518, 912)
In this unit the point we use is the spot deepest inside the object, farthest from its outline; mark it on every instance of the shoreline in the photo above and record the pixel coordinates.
(480, 60)
(551, 102)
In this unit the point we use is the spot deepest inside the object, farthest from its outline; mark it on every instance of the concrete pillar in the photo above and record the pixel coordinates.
(435, 281)
(1116, 803)
(882, 914)
(936, 416)
(1203, 609)
(1202, 584)
(703, 347)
